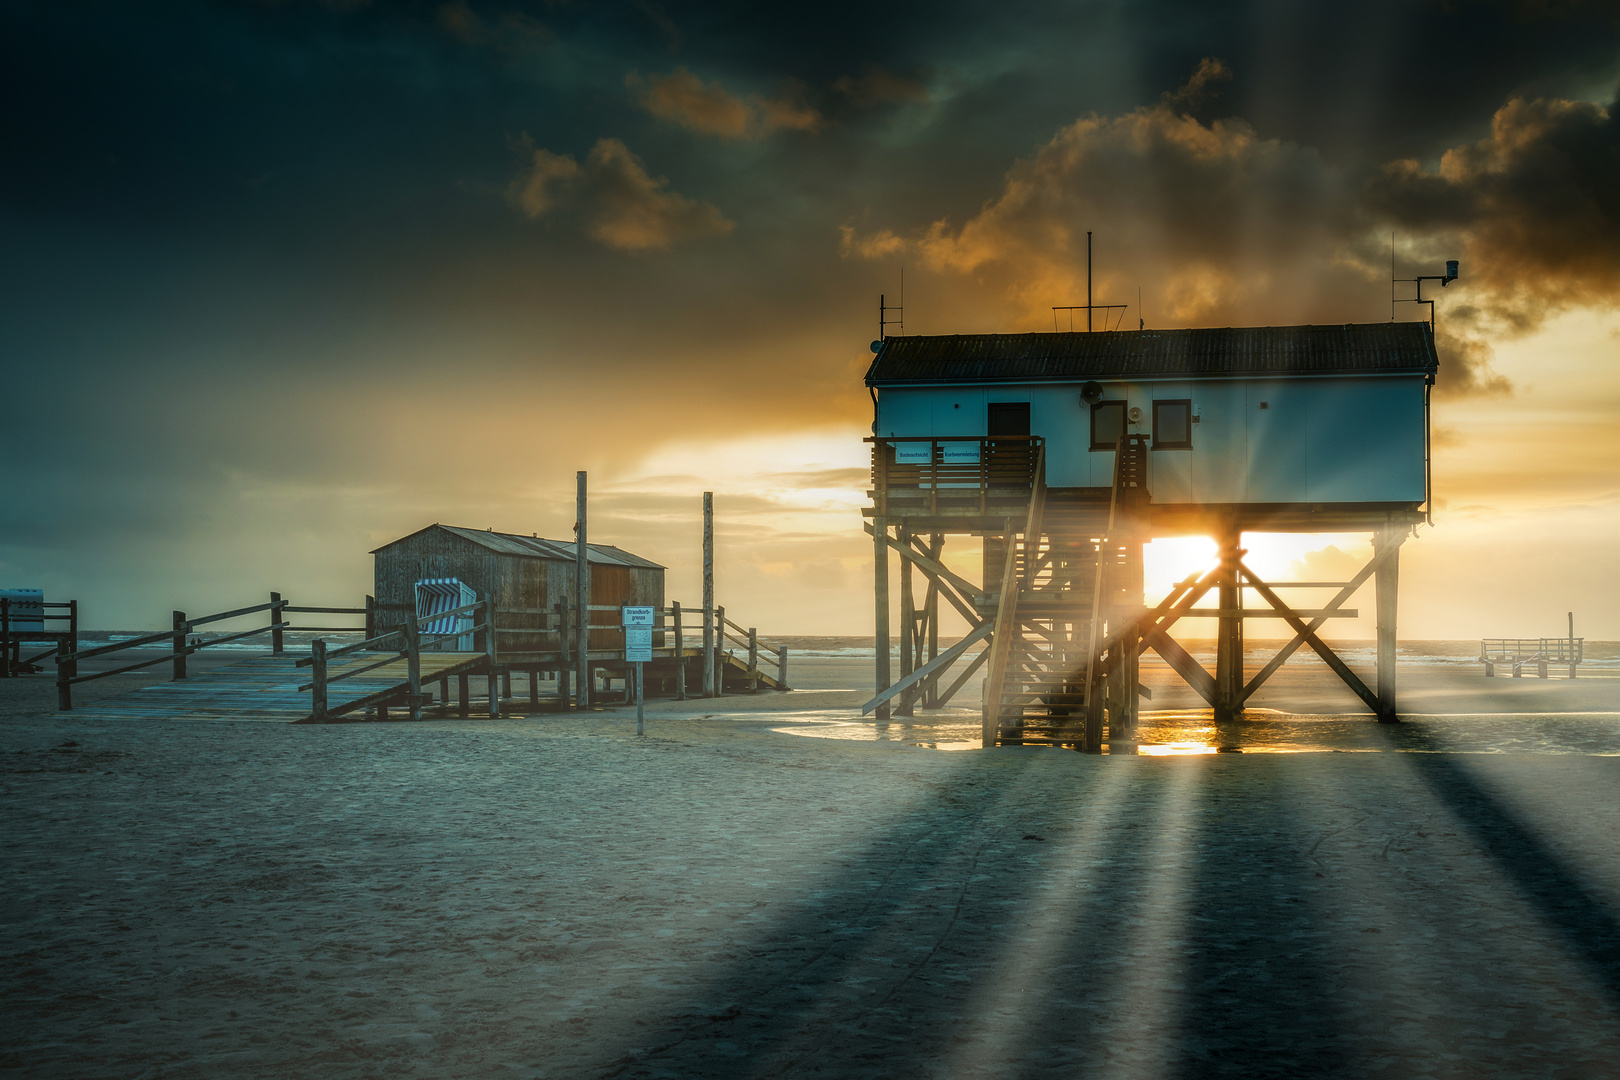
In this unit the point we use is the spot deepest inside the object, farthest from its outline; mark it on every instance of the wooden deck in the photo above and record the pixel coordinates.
(265, 688)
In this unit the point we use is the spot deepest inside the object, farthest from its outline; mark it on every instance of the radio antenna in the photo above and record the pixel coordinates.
(1088, 307)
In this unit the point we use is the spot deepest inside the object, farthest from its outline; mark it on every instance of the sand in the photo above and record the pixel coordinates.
(553, 896)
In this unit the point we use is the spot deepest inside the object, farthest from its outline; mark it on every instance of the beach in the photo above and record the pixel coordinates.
(553, 896)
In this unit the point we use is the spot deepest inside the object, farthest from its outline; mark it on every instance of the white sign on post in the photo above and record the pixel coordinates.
(637, 643)
(638, 624)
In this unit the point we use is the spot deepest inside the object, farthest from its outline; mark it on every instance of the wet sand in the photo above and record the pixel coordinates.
(553, 896)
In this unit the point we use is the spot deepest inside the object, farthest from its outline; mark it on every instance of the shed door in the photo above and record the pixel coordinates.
(1007, 418)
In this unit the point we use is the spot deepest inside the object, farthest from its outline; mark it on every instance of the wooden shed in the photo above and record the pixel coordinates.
(521, 573)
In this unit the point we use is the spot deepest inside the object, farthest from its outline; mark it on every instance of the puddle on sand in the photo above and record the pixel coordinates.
(1265, 731)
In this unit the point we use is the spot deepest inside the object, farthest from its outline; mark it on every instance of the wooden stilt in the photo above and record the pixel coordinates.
(1229, 631)
(936, 547)
(880, 592)
(1387, 587)
(908, 622)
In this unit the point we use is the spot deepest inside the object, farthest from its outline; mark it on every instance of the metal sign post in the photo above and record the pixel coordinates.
(638, 624)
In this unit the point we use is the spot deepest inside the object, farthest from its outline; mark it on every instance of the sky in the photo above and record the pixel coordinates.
(284, 281)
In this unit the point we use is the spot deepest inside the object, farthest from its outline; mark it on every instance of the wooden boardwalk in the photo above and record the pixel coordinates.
(266, 688)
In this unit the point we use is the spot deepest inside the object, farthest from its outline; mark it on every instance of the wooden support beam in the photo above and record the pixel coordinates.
(961, 680)
(1329, 657)
(1191, 671)
(1345, 593)
(933, 667)
(932, 566)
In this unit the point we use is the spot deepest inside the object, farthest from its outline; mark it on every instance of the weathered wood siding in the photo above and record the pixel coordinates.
(518, 582)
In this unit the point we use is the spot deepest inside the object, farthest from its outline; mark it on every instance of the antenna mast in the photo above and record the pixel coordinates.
(1444, 279)
(884, 309)
(1088, 307)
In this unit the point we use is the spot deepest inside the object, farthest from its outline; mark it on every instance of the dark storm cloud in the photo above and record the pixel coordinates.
(1535, 205)
(286, 246)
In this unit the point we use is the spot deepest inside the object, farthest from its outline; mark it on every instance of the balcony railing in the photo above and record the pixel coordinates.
(923, 474)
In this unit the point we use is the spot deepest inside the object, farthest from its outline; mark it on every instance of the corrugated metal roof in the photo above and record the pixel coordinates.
(1231, 352)
(538, 548)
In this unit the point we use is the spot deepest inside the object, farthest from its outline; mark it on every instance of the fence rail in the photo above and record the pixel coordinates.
(968, 472)
(182, 645)
(1519, 653)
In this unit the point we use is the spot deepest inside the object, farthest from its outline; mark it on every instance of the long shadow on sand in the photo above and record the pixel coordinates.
(1583, 920)
(879, 973)
(956, 944)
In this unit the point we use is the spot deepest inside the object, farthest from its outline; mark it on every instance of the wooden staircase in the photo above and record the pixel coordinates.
(1065, 578)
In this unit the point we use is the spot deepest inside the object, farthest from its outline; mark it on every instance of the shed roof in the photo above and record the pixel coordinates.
(1225, 352)
(534, 547)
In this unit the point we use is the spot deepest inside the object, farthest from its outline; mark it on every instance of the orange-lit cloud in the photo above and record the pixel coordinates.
(625, 208)
(1223, 226)
(709, 109)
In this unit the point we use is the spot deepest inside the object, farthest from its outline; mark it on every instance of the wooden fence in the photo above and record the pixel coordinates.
(12, 661)
(1519, 653)
(68, 654)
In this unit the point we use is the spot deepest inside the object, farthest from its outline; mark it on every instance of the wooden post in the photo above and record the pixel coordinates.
(506, 683)
(5, 637)
(413, 665)
(180, 629)
(275, 621)
(317, 672)
(464, 692)
(582, 597)
(719, 653)
(781, 667)
(880, 596)
(534, 687)
(1229, 630)
(680, 654)
(1386, 585)
(1572, 662)
(908, 620)
(709, 639)
(371, 617)
(494, 660)
(66, 668)
(444, 696)
(753, 660)
(564, 657)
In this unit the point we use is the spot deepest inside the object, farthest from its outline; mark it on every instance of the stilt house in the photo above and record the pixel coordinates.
(1068, 452)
